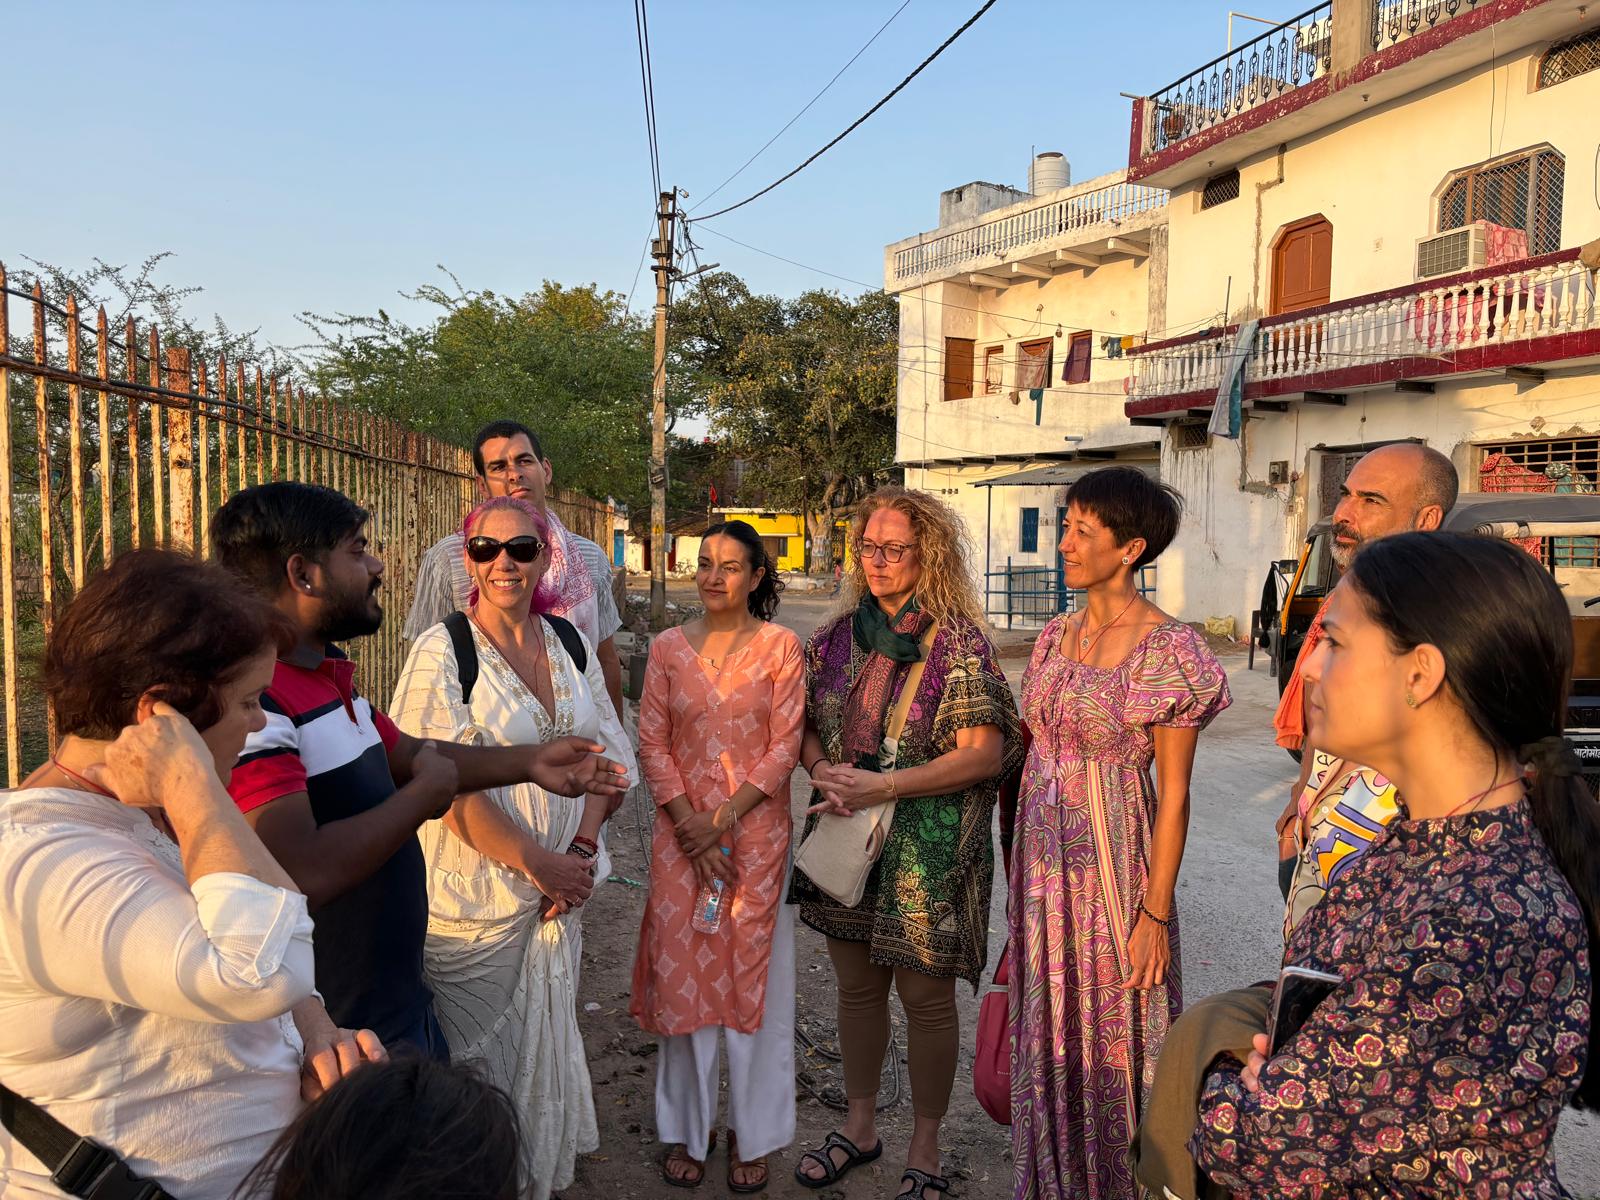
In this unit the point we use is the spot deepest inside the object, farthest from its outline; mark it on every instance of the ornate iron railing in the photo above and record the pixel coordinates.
(1284, 58)
(1393, 21)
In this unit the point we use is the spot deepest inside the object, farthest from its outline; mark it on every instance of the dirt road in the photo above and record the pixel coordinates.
(1231, 909)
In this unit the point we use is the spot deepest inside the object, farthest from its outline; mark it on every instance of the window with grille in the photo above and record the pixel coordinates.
(1569, 59)
(1220, 189)
(1519, 193)
(994, 365)
(1189, 435)
(1028, 541)
(1547, 465)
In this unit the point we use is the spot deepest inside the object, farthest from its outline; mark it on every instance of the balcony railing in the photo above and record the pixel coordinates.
(1499, 306)
(1033, 230)
(1393, 21)
(1284, 58)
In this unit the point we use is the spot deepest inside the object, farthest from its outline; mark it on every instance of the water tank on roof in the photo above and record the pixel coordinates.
(1050, 171)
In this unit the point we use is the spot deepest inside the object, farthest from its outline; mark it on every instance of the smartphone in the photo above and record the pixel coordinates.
(1299, 991)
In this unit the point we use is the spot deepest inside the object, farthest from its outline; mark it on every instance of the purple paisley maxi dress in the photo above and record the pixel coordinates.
(1082, 1048)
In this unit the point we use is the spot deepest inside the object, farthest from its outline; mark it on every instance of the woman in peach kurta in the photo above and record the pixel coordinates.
(719, 733)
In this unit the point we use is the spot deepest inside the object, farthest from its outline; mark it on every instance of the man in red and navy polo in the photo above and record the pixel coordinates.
(332, 787)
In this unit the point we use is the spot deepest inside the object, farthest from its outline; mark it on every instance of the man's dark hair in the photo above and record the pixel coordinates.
(1131, 505)
(256, 533)
(407, 1129)
(154, 620)
(502, 429)
(1437, 481)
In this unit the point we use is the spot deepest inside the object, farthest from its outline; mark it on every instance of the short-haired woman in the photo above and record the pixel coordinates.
(508, 865)
(1465, 939)
(1110, 689)
(923, 920)
(719, 735)
(154, 958)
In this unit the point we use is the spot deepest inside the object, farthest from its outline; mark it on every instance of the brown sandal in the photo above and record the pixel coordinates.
(680, 1154)
(754, 1165)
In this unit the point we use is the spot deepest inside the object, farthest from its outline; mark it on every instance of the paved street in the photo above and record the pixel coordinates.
(1231, 936)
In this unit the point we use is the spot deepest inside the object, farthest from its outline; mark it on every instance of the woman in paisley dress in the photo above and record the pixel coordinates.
(1465, 938)
(1093, 918)
(508, 869)
(923, 920)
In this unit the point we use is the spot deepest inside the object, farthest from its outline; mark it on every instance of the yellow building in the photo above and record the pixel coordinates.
(783, 532)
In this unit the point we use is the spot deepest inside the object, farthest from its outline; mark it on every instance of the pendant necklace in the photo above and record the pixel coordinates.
(1085, 643)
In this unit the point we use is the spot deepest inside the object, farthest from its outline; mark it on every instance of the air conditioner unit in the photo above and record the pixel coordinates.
(1458, 250)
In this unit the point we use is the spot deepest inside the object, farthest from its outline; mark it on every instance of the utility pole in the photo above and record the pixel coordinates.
(661, 251)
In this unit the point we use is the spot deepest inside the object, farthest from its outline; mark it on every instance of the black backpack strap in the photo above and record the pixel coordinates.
(78, 1166)
(466, 653)
(571, 639)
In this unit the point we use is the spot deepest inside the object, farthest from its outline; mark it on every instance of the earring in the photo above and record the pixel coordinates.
(1126, 560)
(1411, 701)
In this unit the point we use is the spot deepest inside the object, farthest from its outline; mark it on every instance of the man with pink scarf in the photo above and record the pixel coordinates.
(510, 462)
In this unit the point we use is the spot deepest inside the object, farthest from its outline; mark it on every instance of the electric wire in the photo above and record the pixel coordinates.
(945, 45)
(647, 87)
(707, 198)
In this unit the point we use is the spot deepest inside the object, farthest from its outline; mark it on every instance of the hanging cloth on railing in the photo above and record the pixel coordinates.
(1227, 414)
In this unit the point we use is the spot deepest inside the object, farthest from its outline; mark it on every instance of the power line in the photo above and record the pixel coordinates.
(972, 20)
(641, 28)
(707, 198)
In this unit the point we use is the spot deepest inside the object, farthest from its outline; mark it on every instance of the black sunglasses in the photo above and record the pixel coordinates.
(523, 549)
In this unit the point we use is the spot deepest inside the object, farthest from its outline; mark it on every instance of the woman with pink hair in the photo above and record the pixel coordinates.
(509, 869)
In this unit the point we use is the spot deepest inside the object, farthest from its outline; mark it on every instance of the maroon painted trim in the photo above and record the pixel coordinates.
(1532, 351)
(1186, 339)
(1141, 166)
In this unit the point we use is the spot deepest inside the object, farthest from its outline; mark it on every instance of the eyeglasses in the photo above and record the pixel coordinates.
(523, 549)
(892, 552)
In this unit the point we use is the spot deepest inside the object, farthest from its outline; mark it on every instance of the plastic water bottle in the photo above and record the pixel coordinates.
(711, 903)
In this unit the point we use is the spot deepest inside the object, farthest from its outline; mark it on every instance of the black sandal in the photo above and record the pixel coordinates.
(688, 1182)
(832, 1172)
(921, 1181)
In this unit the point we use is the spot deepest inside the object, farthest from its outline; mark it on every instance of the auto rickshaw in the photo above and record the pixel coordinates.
(1546, 523)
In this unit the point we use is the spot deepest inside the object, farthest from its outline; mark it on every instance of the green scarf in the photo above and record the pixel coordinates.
(875, 633)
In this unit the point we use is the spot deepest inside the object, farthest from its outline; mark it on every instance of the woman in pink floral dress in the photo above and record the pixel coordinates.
(1094, 935)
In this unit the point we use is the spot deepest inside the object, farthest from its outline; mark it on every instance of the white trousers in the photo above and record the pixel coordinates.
(760, 1069)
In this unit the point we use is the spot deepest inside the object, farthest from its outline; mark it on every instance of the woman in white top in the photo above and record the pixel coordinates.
(507, 868)
(154, 959)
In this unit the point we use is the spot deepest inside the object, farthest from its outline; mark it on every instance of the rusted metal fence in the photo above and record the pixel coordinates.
(122, 442)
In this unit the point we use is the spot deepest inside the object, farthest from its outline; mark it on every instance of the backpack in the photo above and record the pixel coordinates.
(467, 650)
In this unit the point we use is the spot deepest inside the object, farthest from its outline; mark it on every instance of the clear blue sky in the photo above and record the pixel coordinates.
(326, 156)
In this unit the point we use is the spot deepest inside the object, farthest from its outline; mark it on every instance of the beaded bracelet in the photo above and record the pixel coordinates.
(1164, 922)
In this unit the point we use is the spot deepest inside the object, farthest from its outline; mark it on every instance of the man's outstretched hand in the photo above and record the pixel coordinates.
(571, 766)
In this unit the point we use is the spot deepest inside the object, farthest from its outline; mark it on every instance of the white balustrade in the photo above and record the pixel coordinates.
(1431, 321)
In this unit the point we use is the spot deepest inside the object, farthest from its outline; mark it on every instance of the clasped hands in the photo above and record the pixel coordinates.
(846, 790)
(700, 838)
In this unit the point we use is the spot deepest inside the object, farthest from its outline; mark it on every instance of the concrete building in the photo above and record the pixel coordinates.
(1015, 316)
(1398, 193)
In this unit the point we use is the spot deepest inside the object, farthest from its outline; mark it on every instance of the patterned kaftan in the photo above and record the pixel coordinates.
(1083, 1049)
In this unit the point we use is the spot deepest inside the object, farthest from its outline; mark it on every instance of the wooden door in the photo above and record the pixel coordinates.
(1302, 265)
(1336, 468)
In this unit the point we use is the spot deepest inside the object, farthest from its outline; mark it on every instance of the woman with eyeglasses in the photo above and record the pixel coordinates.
(508, 868)
(908, 611)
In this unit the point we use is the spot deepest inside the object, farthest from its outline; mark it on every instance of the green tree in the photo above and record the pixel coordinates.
(571, 362)
(801, 391)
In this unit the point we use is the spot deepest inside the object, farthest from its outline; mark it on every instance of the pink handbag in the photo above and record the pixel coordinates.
(991, 1067)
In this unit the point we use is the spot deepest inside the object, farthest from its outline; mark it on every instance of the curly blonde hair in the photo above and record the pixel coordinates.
(946, 590)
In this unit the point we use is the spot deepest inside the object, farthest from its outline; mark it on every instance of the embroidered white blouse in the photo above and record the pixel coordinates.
(141, 1011)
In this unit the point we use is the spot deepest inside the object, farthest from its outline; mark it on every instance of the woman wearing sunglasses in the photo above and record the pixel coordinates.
(508, 868)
